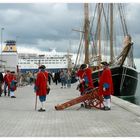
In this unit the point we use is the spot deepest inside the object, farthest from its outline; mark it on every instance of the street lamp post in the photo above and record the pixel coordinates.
(17, 37)
(1, 43)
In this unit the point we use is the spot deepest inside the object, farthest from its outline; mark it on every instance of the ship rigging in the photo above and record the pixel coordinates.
(101, 44)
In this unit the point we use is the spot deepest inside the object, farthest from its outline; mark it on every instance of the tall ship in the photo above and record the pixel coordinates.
(101, 37)
(54, 61)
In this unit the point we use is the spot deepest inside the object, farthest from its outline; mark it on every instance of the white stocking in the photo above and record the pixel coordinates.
(108, 103)
(105, 102)
(11, 93)
(43, 105)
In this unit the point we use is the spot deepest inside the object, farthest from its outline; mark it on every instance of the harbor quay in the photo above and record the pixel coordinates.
(18, 117)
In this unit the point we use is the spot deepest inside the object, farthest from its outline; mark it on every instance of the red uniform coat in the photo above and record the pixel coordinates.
(106, 77)
(88, 73)
(41, 83)
(6, 78)
(85, 73)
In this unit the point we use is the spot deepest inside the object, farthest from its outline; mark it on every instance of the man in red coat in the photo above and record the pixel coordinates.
(106, 85)
(41, 86)
(85, 79)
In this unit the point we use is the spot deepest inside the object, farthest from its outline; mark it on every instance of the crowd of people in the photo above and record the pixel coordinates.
(63, 76)
(42, 79)
(84, 75)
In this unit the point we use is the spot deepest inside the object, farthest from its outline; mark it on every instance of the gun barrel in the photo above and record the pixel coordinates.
(88, 96)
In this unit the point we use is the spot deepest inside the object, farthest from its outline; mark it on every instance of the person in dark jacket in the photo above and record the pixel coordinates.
(49, 78)
(6, 81)
(1, 82)
(56, 78)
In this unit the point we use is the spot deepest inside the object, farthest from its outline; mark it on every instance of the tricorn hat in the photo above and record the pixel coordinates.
(104, 63)
(12, 71)
(42, 67)
(83, 66)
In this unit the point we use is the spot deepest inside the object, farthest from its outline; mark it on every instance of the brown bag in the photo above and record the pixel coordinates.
(48, 87)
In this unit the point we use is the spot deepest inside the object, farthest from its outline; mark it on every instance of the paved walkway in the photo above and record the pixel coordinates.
(19, 119)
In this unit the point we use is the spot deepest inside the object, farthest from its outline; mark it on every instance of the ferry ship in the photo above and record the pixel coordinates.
(25, 62)
(54, 61)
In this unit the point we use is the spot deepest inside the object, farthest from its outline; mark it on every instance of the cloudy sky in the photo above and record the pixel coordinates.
(41, 26)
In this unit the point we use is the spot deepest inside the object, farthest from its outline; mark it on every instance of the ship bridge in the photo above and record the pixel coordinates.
(10, 56)
(10, 46)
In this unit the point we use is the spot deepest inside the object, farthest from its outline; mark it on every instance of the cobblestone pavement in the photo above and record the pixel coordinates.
(19, 119)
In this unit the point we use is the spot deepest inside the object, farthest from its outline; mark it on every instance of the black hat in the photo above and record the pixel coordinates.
(42, 67)
(104, 63)
(83, 66)
(12, 71)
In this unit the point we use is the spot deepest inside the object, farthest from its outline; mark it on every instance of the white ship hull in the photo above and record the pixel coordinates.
(54, 61)
(34, 67)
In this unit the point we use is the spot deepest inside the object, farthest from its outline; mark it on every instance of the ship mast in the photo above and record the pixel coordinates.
(111, 33)
(99, 31)
(86, 32)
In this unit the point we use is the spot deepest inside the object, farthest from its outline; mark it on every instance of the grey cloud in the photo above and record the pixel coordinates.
(39, 21)
(48, 25)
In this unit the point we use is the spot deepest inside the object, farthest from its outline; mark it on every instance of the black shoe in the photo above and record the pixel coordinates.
(82, 105)
(107, 108)
(103, 108)
(41, 110)
(87, 107)
(13, 96)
